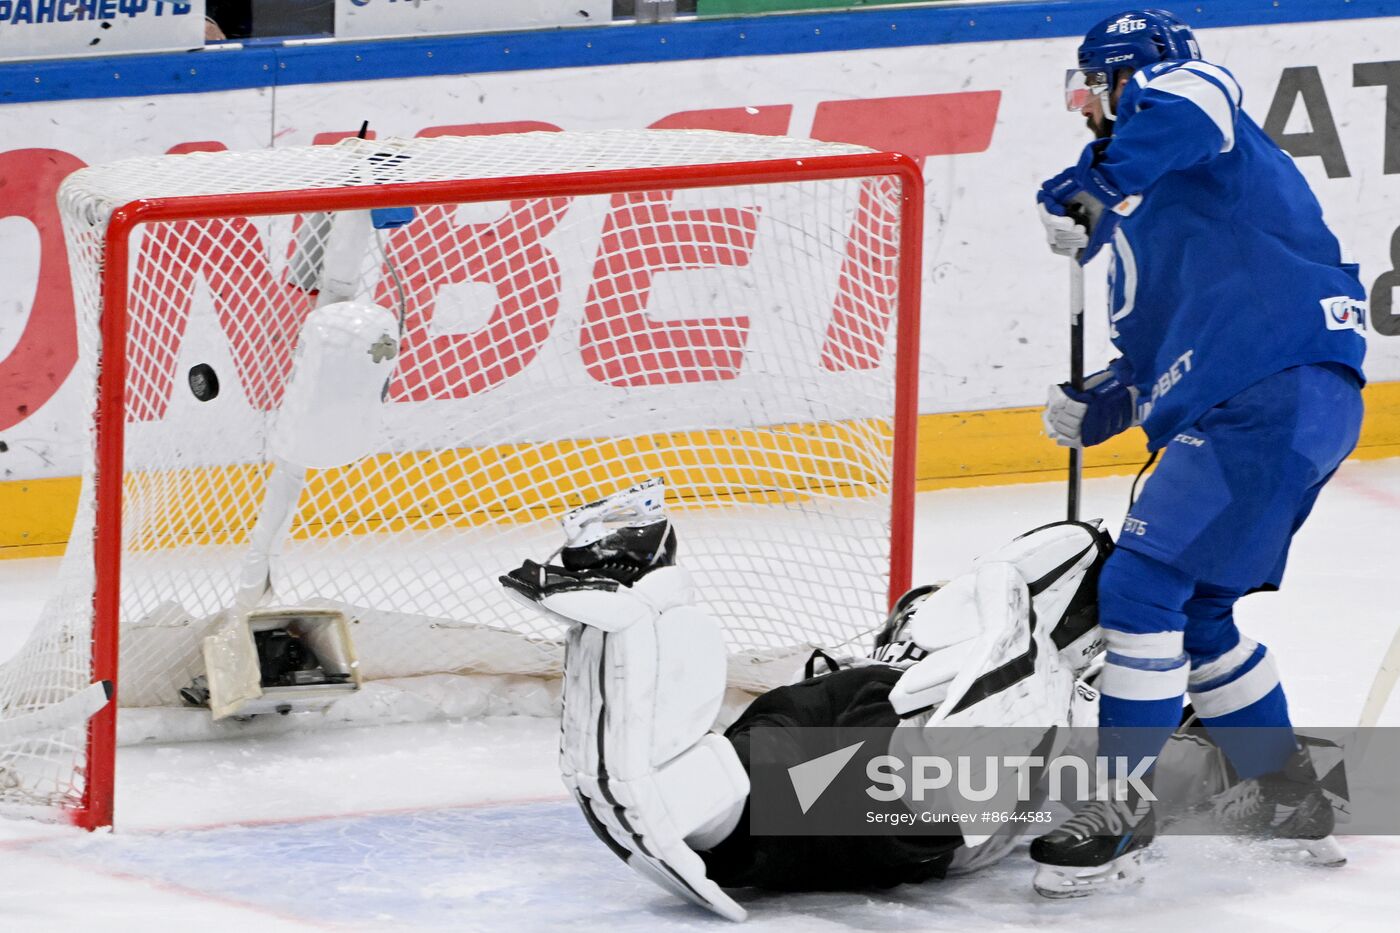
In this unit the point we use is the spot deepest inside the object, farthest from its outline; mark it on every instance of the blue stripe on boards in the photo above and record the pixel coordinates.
(268, 65)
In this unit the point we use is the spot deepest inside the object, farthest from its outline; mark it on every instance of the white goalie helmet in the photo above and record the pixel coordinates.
(893, 644)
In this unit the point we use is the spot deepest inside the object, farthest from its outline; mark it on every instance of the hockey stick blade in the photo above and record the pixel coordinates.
(1383, 685)
(73, 711)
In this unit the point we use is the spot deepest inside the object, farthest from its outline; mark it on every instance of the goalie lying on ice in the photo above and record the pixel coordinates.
(644, 677)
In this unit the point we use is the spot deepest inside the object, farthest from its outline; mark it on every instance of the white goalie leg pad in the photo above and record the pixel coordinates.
(1013, 675)
(1056, 561)
(615, 610)
(704, 788)
(1044, 570)
(642, 687)
(947, 625)
(990, 664)
(331, 408)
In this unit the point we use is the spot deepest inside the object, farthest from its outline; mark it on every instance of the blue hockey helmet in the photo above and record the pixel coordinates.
(1131, 40)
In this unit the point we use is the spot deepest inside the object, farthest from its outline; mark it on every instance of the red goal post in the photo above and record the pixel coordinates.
(783, 485)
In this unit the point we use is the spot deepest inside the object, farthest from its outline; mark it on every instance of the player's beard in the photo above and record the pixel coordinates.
(1101, 127)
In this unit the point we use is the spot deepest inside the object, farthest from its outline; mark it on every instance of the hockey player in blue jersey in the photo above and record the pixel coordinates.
(1238, 322)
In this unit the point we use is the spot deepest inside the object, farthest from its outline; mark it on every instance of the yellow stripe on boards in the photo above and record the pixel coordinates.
(504, 484)
(510, 483)
(1008, 445)
(475, 486)
(36, 516)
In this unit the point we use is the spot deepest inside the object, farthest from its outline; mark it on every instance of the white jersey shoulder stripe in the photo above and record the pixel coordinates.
(1225, 79)
(1208, 92)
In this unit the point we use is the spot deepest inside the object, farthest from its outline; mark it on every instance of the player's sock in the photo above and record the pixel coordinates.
(1132, 732)
(1239, 699)
(1145, 675)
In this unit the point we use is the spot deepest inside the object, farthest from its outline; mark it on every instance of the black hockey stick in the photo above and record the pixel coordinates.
(1076, 374)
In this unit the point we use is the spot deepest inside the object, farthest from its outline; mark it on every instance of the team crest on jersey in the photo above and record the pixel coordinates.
(1126, 25)
(1344, 313)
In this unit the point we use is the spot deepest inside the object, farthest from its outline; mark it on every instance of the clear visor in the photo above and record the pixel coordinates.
(1080, 85)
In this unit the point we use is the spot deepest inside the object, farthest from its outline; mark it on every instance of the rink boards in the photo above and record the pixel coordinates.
(973, 91)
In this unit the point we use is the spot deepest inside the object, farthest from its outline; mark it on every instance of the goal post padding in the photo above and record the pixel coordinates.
(737, 314)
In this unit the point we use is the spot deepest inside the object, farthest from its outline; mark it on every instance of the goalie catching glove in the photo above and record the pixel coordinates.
(644, 677)
(609, 543)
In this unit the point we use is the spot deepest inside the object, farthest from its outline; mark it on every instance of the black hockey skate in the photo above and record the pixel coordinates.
(1100, 846)
(1286, 808)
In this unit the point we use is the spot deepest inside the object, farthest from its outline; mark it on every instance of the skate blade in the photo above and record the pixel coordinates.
(1063, 881)
(1323, 853)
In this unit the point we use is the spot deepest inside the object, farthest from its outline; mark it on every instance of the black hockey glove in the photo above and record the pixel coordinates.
(536, 581)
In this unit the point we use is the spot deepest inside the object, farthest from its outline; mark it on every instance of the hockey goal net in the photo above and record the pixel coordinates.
(577, 312)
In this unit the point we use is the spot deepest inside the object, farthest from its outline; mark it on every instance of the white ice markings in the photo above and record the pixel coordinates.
(528, 867)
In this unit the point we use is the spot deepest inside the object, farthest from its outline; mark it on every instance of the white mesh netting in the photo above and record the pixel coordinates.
(738, 340)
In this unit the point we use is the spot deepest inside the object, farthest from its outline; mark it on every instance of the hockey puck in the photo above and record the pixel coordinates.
(204, 382)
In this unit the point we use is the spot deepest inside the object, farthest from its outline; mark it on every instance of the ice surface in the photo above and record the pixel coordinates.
(463, 825)
(538, 867)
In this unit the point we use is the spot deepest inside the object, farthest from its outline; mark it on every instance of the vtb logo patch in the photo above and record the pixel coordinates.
(1126, 25)
(1134, 526)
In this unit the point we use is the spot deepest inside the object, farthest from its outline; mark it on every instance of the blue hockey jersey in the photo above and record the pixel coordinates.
(1226, 272)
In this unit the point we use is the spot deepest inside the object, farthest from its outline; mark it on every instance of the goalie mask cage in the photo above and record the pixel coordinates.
(578, 312)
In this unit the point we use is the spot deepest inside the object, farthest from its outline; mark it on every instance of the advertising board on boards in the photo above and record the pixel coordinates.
(363, 19)
(69, 28)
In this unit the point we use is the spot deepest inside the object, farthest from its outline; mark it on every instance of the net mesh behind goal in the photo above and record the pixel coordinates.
(577, 312)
